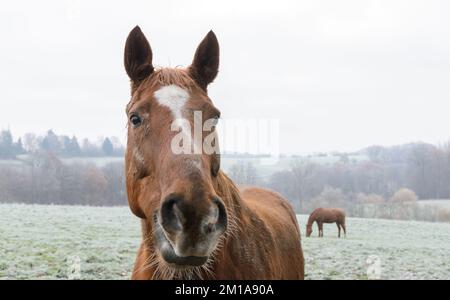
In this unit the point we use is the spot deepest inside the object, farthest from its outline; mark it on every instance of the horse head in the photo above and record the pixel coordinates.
(171, 169)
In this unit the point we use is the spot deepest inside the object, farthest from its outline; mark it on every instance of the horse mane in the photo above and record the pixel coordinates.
(168, 76)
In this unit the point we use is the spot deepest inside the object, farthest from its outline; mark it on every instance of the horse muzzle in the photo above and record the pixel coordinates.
(185, 239)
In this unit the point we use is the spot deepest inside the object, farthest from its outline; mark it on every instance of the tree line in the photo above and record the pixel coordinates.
(44, 179)
(365, 187)
(59, 145)
(421, 168)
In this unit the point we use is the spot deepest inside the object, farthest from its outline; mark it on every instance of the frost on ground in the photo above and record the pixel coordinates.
(57, 242)
(405, 250)
(44, 242)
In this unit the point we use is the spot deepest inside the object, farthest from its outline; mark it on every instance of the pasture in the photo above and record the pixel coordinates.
(42, 242)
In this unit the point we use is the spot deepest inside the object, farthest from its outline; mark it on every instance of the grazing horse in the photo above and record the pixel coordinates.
(326, 215)
(196, 224)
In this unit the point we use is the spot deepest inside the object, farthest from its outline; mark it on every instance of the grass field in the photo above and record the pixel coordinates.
(41, 242)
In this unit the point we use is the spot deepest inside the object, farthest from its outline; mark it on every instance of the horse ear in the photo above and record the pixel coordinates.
(138, 56)
(205, 65)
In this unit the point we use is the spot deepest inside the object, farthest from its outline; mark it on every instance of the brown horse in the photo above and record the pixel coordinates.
(326, 215)
(196, 224)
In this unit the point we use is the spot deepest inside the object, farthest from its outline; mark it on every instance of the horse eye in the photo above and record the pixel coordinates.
(135, 120)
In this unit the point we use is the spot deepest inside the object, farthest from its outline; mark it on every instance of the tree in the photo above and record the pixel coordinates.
(30, 142)
(65, 141)
(119, 149)
(404, 195)
(75, 149)
(115, 183)
(302, 172)
(51, 143)
(89, 149)
(19, 147)
(70, 146)
(420, 164)
(244, 173)
(330, 197)
(251, 176)
(6, 145)
(107, 147)
(370, 198)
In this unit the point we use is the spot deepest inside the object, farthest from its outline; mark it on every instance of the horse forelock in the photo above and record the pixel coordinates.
(163, 76)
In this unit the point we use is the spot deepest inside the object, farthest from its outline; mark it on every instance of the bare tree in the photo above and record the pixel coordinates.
(302, 171)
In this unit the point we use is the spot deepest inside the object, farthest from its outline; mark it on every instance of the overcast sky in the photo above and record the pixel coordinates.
(339, 75)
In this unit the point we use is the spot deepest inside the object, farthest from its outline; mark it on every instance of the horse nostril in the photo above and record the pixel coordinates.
(172, 218)
(222, 218)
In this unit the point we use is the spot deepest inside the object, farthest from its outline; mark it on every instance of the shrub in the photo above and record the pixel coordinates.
(404, 195)
(370, 198)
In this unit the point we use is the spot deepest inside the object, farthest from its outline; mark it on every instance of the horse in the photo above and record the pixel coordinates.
(195, 222)
(326, 215)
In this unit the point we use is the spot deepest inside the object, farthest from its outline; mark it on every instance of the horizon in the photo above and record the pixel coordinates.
(99, 139)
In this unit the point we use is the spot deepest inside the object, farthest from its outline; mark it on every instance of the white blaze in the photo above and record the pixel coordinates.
(174, 98)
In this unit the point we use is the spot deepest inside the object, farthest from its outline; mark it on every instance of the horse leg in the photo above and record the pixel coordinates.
(339, 230)
(320, 229)
(343, 227)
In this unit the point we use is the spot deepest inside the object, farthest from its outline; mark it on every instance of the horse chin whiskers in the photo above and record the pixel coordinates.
(165, 271)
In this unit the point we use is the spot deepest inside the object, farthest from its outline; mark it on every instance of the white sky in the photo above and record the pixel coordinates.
(339, 75)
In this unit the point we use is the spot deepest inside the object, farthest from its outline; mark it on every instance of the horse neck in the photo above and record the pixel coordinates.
(312, 218)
